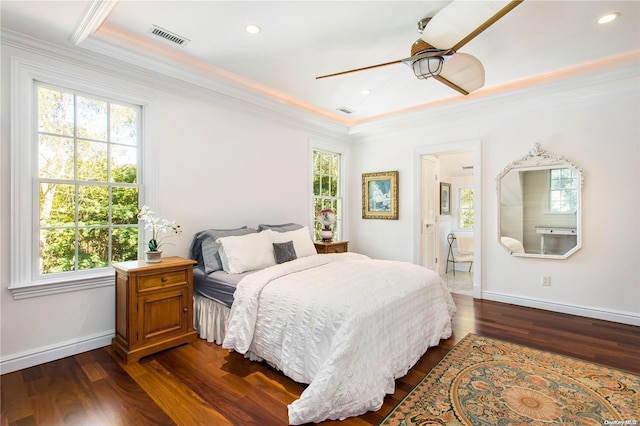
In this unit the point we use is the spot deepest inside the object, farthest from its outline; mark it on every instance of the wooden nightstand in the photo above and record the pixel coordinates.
(154, 306)
(332, 247)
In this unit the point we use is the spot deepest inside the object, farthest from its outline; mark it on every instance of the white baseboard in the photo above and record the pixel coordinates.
(38, 356)
(583, 311)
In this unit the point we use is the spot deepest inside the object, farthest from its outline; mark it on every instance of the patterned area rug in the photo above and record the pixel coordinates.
(484, 381)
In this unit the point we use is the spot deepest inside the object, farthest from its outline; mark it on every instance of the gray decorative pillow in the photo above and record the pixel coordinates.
(204, 248)
(284, 227)
(284, 252)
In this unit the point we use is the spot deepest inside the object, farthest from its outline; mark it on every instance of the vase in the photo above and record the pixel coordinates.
(153, 256)
(326, 235)
(326, 217)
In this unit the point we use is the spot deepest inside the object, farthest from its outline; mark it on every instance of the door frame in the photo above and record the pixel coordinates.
(473, 145)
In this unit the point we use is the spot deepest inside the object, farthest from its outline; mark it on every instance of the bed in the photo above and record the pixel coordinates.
(345, 324)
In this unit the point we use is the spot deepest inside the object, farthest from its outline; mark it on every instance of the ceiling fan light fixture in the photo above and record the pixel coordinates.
(428, 67)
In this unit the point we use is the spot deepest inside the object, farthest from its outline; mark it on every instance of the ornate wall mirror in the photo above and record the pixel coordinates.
(539, 206)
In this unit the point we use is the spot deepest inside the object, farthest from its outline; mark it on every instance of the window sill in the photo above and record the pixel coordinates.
(49, 287)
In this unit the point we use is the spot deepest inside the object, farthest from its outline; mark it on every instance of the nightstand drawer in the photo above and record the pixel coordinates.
(336, 249)
(323, 247)
(157, 281)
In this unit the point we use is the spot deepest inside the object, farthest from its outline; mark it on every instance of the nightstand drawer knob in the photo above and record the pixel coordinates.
(185, 309)
(164, 279)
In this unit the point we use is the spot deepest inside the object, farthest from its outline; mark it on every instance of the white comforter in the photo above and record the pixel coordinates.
(344, 323)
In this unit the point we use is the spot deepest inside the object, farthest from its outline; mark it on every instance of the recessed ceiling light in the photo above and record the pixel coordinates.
(365, 91)
(252, 29)
(608, 18)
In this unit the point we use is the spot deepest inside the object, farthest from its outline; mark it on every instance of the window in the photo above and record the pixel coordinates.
(88, 181)
(563, 190)
(74, 179)
(465, 208)
(327, 188)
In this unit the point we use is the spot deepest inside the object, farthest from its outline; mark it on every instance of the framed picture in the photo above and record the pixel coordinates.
(380, 195)
(445, 198)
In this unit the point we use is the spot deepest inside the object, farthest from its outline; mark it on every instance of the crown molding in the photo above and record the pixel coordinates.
(569, 88)
(106, 59)
(193, 80)
(93, 16)
(608, 77)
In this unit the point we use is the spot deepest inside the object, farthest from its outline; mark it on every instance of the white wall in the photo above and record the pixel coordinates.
(593, 122)
(225, 163)
(224, 168)
(221, 163)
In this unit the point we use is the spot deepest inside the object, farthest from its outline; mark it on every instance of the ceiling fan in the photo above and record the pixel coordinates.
(436, 55)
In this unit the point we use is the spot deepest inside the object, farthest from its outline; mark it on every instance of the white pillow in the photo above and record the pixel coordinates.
(246, 253)
(301, 240)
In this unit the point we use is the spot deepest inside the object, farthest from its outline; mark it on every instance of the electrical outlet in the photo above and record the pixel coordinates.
(545, 280)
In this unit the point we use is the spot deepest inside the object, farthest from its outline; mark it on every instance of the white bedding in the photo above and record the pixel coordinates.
(346, 324)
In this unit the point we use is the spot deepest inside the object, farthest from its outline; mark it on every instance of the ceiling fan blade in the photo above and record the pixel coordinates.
(359, 69)
(461, 21)
(450, 84)
(462, 72)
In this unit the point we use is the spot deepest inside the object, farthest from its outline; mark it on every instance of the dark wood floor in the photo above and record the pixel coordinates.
(202, 384)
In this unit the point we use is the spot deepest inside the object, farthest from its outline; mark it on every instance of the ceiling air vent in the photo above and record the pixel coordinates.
(345, 110)
(168, 35)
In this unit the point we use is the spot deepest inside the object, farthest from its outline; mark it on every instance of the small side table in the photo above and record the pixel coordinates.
(331, 247)
(154, 307)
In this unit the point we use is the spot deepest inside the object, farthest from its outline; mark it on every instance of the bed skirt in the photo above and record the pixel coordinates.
(210, 319)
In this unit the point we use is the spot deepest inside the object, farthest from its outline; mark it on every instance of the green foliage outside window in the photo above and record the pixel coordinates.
(88, 181)
(466, 208)
(326, 187)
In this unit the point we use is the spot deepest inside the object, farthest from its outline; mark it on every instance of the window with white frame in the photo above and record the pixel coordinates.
(327, 188)
(87, 180)
(465, 208)
(82, 160)
(563, 190)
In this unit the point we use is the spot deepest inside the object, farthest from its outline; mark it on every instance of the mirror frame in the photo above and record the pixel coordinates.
(539, 159)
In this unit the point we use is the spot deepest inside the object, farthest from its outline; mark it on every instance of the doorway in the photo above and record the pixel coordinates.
(457, 165)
